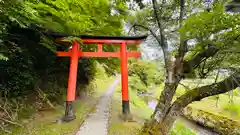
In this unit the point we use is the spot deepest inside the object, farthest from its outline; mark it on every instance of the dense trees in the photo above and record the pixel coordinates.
(28, 62)
(23, 41)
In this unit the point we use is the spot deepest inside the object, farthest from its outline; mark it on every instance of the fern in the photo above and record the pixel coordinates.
(2, 57)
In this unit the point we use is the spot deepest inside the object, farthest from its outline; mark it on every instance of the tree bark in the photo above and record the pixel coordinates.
(158, 125)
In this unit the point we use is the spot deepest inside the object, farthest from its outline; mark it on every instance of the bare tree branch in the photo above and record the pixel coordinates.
(183, 43)
(154, 2)
(162, 43)
(182, 3)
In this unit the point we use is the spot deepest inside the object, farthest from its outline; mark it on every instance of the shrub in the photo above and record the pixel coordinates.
(147, 72)
(136, 84)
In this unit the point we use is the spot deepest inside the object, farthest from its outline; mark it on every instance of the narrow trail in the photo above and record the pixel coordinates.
(97, 122)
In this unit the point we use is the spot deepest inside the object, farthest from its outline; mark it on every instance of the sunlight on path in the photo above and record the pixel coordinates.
(97, 122)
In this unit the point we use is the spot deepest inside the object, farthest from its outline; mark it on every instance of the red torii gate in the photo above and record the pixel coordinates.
(76, 52)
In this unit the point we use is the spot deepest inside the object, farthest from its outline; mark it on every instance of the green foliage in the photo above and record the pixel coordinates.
(32, 57)
(101, 72)
(213, 28)
(143, 75)
(2, 57)
(233, 109)
(136, 84)
(136, 101)
(148, 72)
(180, 129)
(76, 17)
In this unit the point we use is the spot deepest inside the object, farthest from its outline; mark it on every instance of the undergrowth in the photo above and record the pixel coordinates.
(39, 116)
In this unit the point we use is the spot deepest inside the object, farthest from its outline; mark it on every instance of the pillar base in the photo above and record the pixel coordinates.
(126, 115)
(69, 112)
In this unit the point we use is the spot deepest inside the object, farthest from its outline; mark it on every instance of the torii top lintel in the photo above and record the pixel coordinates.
(88, 39)
(100, 40)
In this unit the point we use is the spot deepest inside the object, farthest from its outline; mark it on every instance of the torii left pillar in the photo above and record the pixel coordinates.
(72, 80)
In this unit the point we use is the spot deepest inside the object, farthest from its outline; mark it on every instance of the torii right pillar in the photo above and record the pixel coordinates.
(124, 75)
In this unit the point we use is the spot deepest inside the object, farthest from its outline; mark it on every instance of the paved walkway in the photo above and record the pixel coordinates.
(97, 122)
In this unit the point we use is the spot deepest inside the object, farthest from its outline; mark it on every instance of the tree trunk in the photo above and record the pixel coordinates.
(162, 119)
(153, 127)
(164, 101)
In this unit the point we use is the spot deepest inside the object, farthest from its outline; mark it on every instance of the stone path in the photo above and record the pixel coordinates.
(97, 122)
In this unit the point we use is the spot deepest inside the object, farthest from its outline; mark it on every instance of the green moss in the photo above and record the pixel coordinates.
(218, 123)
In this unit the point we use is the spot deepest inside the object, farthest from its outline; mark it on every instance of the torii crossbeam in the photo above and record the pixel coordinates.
(76, 52)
